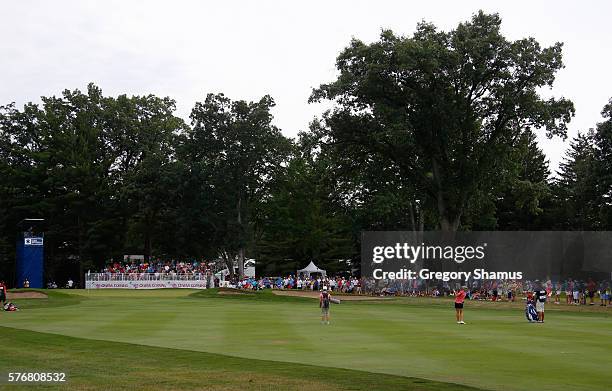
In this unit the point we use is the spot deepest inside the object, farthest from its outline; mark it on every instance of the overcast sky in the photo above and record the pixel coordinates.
(245, 49)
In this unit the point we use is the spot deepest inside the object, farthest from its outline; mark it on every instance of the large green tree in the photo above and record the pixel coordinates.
(575, 188)
(446, 108)
(602, 139)
(583, 187)
(95, 168)
(59, 160)
(144, 133)
(302, 220)
(521, 199)
(234, 147)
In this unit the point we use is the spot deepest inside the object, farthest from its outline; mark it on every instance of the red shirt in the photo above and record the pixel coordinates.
(460, 297)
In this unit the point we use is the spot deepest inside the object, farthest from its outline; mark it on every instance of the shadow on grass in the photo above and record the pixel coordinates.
(239, 294)
(103, 365)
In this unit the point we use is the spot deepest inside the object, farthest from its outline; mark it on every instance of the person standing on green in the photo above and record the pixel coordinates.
(324, 301)
(459, 299)
(2, 293)
(540, 298)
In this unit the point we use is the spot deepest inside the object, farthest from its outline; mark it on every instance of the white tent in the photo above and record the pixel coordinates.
(311, 268)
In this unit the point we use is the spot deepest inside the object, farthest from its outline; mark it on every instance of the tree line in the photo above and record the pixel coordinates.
(430, 131)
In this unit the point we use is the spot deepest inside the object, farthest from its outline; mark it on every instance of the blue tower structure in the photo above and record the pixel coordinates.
(30, 253)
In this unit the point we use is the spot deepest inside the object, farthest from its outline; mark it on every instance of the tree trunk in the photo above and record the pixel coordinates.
(414, 222)
(81, 282)
(412, 219)
(421, 221)
(147, 246)
(449, 225)
(448, 222)
(241, 262)
(241, 248)
(150, 219)
(229, 263)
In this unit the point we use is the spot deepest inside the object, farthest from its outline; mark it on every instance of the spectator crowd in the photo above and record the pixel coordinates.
(314, 283)
(156, 269)
(573, 291)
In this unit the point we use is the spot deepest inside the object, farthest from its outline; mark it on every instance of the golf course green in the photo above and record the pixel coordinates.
(183, 339)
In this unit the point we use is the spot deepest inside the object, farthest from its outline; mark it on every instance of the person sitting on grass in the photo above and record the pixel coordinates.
(459, 299)
(10, 307)
(324, 301)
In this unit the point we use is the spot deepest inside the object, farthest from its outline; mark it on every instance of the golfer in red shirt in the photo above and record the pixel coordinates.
(459, 299)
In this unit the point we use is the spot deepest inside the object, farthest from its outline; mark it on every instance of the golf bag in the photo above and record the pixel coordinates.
(530, 312)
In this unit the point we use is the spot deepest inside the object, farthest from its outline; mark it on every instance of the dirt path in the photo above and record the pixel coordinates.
(315, 295)
(25, 295)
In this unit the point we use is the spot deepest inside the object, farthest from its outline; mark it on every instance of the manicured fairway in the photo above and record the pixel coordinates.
(497, 349)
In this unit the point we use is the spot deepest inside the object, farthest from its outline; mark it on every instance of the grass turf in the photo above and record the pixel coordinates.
(103, 365)
(177, 339)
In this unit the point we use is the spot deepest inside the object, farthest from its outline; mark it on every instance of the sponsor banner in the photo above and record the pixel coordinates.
(161, 284)
(33, 241)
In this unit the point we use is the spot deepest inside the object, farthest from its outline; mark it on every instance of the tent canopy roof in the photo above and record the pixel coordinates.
(311, 268)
